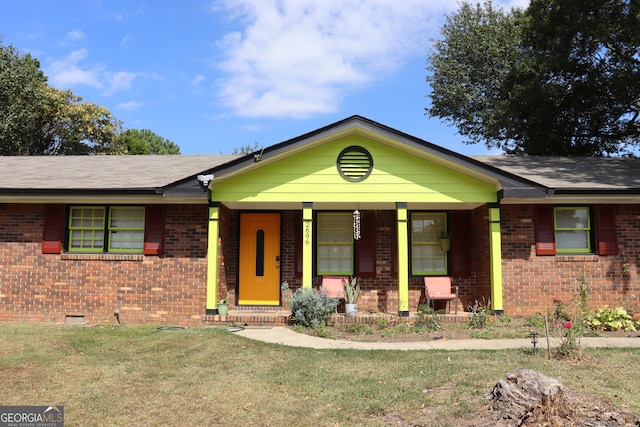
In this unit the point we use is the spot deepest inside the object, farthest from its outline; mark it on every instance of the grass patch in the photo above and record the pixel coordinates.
(137, 375)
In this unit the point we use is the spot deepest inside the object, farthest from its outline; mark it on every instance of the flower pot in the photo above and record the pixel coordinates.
(351, 310)
(445, 244)
(223, 309)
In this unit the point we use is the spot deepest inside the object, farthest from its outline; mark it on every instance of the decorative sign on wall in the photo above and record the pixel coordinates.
(356, 225)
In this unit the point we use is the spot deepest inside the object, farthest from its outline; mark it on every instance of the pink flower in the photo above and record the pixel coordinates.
(557, 301)
(568, 325)
(553, 324)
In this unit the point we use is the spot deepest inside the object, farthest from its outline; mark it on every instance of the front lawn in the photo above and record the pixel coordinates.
(141, 375)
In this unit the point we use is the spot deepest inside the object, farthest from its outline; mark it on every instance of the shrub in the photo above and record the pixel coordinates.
(611, 319)
(567, 327)
(428, 319)
(479, 313)
(311, 308)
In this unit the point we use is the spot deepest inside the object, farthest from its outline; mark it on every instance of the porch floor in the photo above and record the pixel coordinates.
(257, 317)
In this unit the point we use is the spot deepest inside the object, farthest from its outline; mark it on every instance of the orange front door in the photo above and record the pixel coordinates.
(259, 259)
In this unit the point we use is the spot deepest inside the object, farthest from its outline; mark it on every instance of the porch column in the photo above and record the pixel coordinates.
(212, 259)
(307, 244)
(403, 260)
(495, 248)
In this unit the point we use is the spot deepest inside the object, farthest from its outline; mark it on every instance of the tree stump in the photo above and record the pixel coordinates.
(526, 397)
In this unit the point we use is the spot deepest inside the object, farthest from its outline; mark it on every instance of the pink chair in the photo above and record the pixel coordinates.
(439, 288)
(333, 286)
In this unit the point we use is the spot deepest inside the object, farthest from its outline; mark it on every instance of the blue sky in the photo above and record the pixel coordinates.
(215, 75)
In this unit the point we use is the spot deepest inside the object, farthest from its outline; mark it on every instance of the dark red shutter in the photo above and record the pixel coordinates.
(460, 229)
(154, 230)
(53, 229)
(545, 230)
(606, 231)
(366, 245)
(297, 245)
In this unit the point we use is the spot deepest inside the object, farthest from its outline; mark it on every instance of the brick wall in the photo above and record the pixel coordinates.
(531, 282)
(161, 289)
(379, 293)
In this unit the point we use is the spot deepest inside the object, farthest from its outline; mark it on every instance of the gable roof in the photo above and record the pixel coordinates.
(175, 176)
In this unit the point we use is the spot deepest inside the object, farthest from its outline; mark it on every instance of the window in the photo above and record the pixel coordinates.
(576, 229)
(572, 229)
(335, 243)
(426, 256)
(123, 227)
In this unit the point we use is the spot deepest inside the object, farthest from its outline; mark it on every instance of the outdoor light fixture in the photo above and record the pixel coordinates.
(204, 180)
(534, 340)
(258, 156)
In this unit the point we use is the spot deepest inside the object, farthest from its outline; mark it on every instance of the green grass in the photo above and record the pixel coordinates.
(138, 376)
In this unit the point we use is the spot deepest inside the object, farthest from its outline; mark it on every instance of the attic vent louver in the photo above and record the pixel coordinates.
(355, 163)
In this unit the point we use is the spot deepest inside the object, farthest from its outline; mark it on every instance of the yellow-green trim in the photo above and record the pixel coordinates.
(110, 239)
(495, 248)
(346, 243)
(83, 229)
(403, 258)
(307, 245)
(586, 230)
(212, 257)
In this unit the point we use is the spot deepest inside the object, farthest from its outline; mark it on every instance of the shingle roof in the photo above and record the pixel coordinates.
(102, 172)
(578, 173)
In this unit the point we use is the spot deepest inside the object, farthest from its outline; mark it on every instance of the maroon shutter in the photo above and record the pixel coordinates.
(460, 229)
(53, 229)
(366, 245)
(154, 230)
(606, 232)
(545, 230)
(297, 245)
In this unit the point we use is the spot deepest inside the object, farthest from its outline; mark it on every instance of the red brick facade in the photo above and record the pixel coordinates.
(530, 282)
(171, 288)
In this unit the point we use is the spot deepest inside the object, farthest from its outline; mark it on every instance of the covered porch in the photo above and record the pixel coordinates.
(352, 199)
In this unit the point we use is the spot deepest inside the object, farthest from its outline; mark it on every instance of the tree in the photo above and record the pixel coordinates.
(247, 149)
(144, 141)
(561, 78)
(36, 119)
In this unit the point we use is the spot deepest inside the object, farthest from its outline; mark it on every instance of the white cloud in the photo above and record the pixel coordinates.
(120, 80)
(198, 79)
(129, 106)
(69, 72)
(66, 72)
(76, 35)
(297, 58)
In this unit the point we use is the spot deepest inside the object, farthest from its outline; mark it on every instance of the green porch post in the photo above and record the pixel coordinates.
(212, 259)
(403, 260)
(307, 244)
(496, 258)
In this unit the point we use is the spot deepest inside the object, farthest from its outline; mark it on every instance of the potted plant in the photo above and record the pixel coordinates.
(351, 288)
(223, 307)
(445, 241)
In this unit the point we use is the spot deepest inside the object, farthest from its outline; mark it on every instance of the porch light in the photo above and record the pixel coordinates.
(356, 225)
(534, 340)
